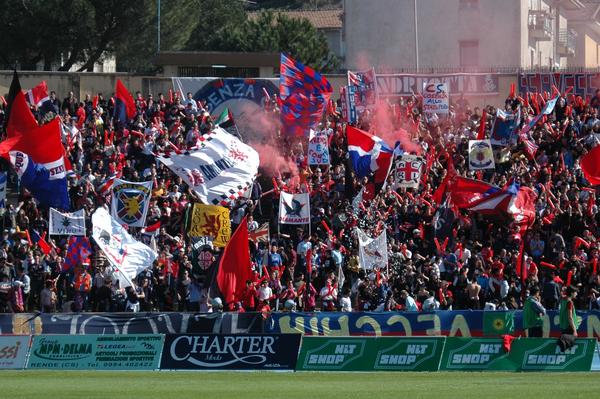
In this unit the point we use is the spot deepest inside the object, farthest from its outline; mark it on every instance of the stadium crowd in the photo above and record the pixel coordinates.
(475, 270)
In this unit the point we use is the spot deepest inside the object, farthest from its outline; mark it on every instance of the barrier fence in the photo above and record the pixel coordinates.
(459, 323)
(290, 352)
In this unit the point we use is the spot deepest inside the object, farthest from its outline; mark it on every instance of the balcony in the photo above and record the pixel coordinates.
(540, 25)
(566, 42)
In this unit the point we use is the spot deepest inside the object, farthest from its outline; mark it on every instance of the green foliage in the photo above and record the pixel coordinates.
(80, 32)
(271, 32)
(64, 31)
(178, 21)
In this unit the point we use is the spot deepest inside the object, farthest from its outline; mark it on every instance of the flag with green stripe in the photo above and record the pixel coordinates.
(225, 120)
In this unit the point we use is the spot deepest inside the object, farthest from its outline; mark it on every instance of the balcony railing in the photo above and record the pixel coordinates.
(566, 42)
(540, 25)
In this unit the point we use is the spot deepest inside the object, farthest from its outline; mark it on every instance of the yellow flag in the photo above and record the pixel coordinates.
(211, 221)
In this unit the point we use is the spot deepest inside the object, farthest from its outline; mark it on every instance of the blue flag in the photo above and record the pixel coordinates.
(50, 189)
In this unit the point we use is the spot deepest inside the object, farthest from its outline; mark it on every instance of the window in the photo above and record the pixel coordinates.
(468, 4)
(233, 72)
(469, 53)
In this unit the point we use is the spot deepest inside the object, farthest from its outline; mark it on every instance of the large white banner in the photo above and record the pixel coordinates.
(67, 224)
(220, 171)
(372, 251)
(294, 208)
(130, 202)
(127, 256)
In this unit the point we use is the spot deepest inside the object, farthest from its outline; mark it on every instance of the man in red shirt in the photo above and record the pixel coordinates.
(249, 295)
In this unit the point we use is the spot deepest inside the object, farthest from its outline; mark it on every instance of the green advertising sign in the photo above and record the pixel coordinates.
(526, 354)
(539, 354)
(370, 353)
(99, 352)
(475, 354)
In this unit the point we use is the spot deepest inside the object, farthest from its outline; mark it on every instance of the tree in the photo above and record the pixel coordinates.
(275, 33)
(65, 32)
(178, 23)
(218, 19)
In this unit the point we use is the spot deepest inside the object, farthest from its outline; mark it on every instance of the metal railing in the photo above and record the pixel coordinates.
(566, 39)
(540, 23)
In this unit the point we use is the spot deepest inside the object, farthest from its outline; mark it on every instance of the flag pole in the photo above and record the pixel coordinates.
(238, 131)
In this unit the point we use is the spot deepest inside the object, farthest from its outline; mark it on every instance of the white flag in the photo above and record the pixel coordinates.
(294, 208)
(372, 251)
(130, 202)
(221, 170)
(127, 256)
(67, 224)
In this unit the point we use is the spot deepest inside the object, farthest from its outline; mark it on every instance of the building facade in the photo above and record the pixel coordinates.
(446, 35)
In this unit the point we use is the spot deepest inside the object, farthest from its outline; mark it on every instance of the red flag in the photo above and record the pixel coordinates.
(481, 134)
(153, 227)
(513, 89)
(38, 94)
(465, 192)
(234, 266)
(507, 342)
(569, 277)
(43, 244)
(124, 100)
(590, 164)
(308, 263)
(21, 119)
(438, 195)
(95, 102)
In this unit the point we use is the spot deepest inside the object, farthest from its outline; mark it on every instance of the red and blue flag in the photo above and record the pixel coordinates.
(124, 104)
(370, 156)
(78, 252)
(304, 95)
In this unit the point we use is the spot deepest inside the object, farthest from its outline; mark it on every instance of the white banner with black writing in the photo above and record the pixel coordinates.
(220, 170)
(67, 224)
(294, 208)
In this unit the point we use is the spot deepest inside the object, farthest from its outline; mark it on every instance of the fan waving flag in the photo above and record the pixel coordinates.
(78, 252)
(304, 94)
(42, 143)
(465, 192)
(369, 155)
(225, 120)
(124, 104)
(48, 188)
(38, 95)
(234, 266)
(513, 202)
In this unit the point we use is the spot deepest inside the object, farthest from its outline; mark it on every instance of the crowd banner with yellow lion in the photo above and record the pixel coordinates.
(210, 221)
(130, 202)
